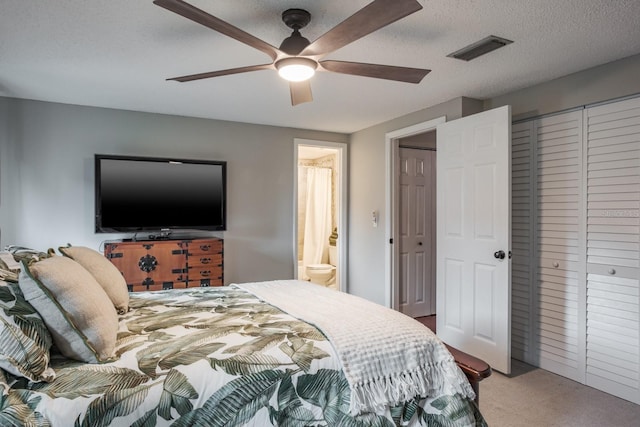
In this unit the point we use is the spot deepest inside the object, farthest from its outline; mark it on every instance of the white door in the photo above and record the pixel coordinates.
(473, 242)
(417, 232)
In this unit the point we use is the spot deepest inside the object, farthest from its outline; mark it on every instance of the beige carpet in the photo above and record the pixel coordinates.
(535, 397)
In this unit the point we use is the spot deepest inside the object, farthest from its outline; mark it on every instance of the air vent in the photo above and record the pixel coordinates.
(480, 48)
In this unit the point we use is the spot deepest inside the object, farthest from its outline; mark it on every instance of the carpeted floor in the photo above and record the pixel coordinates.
(534, 397)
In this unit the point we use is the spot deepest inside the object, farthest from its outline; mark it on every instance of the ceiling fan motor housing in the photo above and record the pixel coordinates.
(295, 19)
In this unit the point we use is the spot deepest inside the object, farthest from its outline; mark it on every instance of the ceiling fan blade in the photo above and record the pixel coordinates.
(370, 18)
(300, 92)
(228, 72)
(387, 72)
(201, 17)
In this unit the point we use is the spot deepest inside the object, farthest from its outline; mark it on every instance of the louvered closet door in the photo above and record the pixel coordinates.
(558, 174)
(522, 215)
(613, 248)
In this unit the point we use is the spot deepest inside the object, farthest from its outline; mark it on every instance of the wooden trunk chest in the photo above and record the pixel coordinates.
(154, 265)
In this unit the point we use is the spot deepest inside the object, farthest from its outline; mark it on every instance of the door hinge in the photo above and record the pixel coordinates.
(391, 241)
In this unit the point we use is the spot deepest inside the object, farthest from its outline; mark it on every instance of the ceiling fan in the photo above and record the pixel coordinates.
(297, 59)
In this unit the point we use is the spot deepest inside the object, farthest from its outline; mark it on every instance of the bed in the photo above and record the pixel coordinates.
(242, 355)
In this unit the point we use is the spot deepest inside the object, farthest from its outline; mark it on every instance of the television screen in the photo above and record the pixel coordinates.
(141, 193)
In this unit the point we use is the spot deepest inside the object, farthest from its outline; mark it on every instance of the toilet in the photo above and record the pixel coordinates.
(323, 274)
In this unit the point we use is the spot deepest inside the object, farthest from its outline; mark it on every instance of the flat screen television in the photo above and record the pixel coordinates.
(154, 194)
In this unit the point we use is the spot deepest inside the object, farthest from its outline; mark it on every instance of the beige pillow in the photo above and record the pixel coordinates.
(105, 273)
(75, 308)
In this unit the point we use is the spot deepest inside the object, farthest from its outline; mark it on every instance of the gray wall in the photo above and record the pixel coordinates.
(8, 180)
(613, 80)
(46, 192)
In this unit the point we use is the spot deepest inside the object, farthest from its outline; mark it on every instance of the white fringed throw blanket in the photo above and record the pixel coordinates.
(387, 357)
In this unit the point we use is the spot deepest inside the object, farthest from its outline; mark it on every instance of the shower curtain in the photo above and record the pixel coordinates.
(317, 227)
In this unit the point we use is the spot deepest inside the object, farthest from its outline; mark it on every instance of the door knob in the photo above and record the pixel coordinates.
(419, 243)
(499, 255)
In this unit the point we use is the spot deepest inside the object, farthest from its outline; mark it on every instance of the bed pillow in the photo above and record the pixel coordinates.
(105, 273)
(75, 308)
(24, 338)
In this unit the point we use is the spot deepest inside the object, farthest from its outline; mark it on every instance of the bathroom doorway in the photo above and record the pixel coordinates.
(320, 213)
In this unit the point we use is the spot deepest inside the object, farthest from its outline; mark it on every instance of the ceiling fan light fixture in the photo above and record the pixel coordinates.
(296, 69)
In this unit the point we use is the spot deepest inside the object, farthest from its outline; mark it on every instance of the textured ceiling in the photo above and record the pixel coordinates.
(118, 53)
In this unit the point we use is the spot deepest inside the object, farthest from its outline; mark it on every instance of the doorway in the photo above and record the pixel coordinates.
(320, 212)
(417, 224)
(393, 203)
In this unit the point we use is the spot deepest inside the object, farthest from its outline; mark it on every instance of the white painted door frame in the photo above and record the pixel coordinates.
(342, 201)
(392, 280)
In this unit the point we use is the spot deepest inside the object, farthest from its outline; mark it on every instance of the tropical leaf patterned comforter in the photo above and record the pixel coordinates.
(212, 357)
